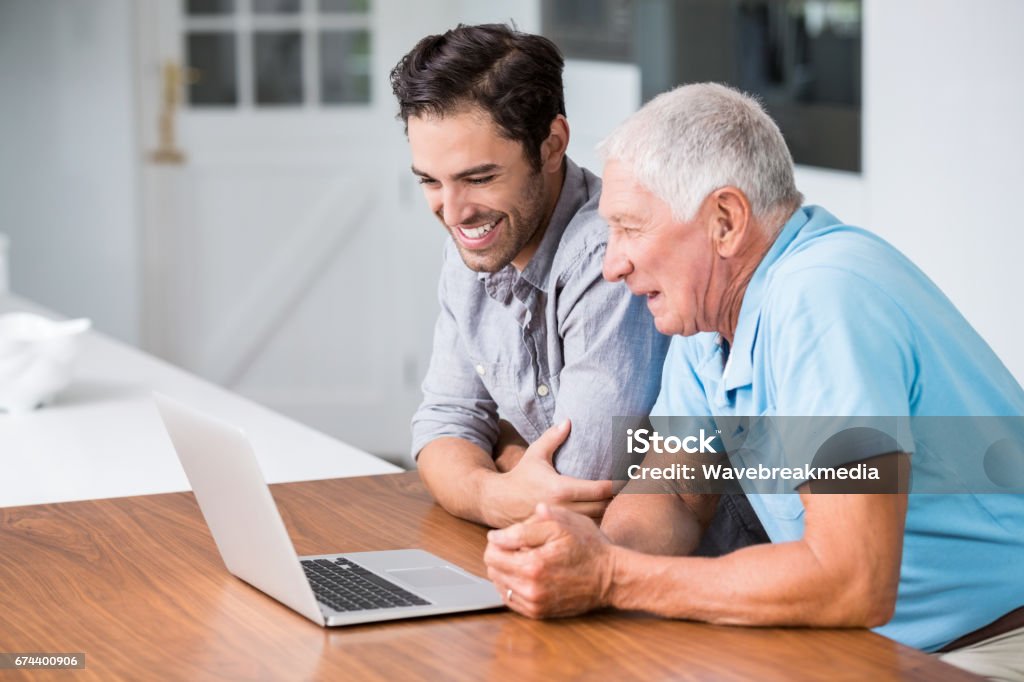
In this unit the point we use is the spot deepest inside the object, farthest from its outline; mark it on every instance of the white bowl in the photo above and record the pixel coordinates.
(36, 359)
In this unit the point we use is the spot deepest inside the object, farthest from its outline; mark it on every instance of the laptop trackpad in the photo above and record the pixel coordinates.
(433, 576)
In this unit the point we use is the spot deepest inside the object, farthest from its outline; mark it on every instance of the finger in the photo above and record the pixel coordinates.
(541, 512)
(516, 599)
(563, 514)
(525, 597)
(549, 441)
(524, 535)
(504, 579)
(508, 565)
(582, 490)
(508, 538)
(500, 582)
(522, 577)
(524, 607)
(593, 510)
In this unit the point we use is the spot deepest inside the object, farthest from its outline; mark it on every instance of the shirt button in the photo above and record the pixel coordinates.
(480, 370)
(542, 390)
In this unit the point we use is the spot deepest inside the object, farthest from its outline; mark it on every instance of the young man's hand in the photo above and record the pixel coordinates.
(513, 496)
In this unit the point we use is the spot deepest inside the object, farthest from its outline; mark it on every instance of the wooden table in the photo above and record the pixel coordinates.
(137, 585)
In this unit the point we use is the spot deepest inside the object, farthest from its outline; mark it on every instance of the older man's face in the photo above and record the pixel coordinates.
(657, 256)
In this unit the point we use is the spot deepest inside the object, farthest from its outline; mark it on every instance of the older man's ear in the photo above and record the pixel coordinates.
(730, 220)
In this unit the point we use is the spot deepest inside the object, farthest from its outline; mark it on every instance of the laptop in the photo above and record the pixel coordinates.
(329, 589)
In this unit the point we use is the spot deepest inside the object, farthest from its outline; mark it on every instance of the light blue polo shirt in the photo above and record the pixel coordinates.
(835, 321)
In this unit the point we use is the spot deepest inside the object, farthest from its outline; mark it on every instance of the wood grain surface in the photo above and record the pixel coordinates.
(138, 586)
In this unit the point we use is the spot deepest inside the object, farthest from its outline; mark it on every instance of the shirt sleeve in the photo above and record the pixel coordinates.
(455, 401)
(613, 358)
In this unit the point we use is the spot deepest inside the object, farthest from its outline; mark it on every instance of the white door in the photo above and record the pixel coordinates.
(288, 252)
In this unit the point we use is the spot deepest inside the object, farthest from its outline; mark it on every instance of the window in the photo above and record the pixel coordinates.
(277, 53)
(802, 58)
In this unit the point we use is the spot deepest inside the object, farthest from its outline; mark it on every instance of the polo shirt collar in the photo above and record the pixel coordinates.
(571, 197)
(739, 367)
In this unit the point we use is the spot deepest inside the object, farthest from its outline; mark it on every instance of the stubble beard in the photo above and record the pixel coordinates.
(521, 224)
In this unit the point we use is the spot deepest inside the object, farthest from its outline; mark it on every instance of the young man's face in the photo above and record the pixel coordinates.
(481, 187)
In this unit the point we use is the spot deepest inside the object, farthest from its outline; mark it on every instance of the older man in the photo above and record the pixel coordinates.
(783, 310)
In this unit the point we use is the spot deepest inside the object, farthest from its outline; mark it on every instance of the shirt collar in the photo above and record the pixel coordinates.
(571, 197)
(739, 368)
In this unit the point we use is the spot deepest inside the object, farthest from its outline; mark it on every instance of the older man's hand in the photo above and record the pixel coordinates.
(555, 563)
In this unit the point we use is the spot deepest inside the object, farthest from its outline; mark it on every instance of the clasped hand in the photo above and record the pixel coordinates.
(555, 563)
(513, 496)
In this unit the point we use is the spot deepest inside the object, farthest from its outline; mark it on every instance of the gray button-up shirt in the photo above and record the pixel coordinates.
(536, 347)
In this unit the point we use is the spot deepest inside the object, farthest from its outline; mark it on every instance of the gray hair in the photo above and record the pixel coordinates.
(686, 143)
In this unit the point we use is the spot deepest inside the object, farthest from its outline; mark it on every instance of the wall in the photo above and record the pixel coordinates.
(941, 128)
(942, 142)
(943, 112)
(942, 135)
(68, 167)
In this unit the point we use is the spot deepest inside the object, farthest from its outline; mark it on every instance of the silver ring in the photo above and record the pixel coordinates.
(508, 595)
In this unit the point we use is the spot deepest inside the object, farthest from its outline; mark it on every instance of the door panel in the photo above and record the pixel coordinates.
(289, 255)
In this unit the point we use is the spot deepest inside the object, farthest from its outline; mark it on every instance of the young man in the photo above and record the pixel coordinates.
(529, 334)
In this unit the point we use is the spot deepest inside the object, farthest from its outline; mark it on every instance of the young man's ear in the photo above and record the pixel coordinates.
(731, 220)
(552, 149)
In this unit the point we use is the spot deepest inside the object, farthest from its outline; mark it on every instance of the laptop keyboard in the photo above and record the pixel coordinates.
(346, 586)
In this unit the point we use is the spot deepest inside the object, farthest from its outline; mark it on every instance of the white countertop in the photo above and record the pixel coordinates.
(102, 437)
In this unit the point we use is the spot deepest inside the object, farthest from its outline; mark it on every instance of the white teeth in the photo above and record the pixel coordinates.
(477, 232)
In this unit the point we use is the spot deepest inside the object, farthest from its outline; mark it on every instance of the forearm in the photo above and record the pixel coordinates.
(455, 472)
(654, 523)
(781, 584)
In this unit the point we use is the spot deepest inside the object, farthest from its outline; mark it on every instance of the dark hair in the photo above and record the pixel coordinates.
(515, 77)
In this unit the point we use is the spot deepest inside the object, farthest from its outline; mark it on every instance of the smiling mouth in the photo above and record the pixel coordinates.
(477, 232)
